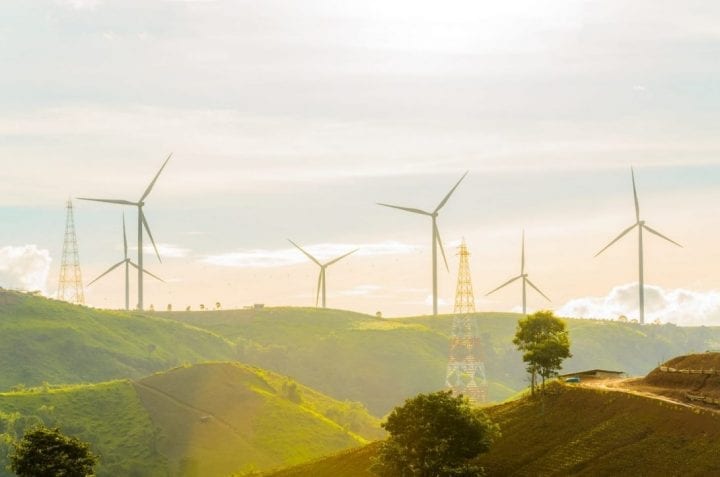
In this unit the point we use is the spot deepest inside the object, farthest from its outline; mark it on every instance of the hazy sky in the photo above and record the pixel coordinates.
(291, 119)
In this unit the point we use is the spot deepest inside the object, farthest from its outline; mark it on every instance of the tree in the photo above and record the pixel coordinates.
(46, 451)
(435, 435)
(218, 305)
(544, 341)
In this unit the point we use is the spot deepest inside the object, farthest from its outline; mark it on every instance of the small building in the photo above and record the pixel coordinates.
(595, 374)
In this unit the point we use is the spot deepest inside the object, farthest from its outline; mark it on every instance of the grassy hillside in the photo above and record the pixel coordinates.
(44, 340)
(350, 463)
(382, 362)
(208, 419)
(592, 432)
(577, 431)
(218, 418)
(109, 415)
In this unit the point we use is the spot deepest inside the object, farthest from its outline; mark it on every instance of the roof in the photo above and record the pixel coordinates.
(592, 372)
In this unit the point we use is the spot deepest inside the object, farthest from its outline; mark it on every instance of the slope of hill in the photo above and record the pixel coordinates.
(683, 376)
(382, 362)
(109, 415)
(578, 431)
(593, 432)
(350, 463)
(44, 340)
(218, 418)
(208, 419)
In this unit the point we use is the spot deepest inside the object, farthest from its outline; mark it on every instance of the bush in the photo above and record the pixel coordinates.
(435, 435)
(44, 451)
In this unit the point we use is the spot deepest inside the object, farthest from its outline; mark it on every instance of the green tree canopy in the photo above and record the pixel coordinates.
(435, 435)
(544, 340)
(47, 452)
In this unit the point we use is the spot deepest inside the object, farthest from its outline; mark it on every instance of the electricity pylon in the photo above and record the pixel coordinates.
(466, 367)
(70, 287)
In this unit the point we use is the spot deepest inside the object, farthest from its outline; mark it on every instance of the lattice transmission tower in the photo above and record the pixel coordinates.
(70, 286)
(466, 366)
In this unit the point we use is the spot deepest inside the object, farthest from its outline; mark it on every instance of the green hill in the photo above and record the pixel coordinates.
(43, 340)
(577, 431)
(381, 362)
(208, 419)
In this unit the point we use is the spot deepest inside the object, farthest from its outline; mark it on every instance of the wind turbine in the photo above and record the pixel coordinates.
(127, 262)
(525, 280)
(435, 237)
(323, 267)
(640, 224)
(142, 224)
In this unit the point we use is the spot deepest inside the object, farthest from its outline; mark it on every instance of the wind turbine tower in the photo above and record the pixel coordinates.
(436, 241)
(466, 367)
(128, 263)
(641, 225)
(142, 227)
(321, 285)
(70, 287)
(525, 280)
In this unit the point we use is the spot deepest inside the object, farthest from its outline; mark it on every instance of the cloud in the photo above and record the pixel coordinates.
(24, 267)
(166, 250)
(679, 306)
(261, 258)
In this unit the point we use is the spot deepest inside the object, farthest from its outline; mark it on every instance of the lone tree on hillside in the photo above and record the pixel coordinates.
(544, 341)
(46, 451)
(435, 435)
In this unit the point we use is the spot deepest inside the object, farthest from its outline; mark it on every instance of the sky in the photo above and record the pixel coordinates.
(293, 119)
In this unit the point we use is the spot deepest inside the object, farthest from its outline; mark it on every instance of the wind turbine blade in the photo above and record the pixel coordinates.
(653, 231)
(442, 249)
(341, 257)
(406, 209)
(319, 284)
(145, 271)
(444, 201)
(618, 238)
(125, 238)
(152, 240)
(152, 184)
(106, 272)
(637, 203)
(504, 284)
(109, 201)
(537, 289)
(306, 254)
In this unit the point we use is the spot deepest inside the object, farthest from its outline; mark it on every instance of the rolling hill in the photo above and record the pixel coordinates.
(43, 340)
(381, 362)
(207, 419)
(576, 431)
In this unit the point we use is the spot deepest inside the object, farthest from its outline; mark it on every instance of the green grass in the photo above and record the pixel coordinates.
(579, 431)
(206, 419)
(109, 416)
(44, 340)
(380, 363)
(218, 418)
(575, 431)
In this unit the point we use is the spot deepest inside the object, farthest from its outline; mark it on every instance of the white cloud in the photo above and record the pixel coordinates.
(679, 306)
(24, 267)
(260, 258)
(166, 250)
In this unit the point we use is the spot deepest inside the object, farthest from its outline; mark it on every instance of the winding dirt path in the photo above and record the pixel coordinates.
(636, 387)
